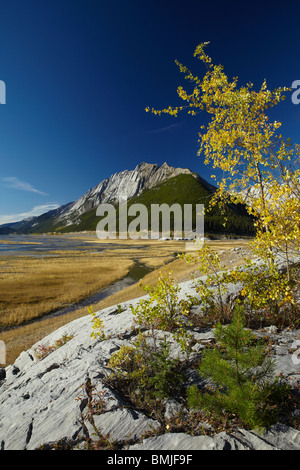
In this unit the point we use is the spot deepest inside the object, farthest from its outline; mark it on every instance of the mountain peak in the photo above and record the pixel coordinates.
(129, 183)
(145, 165)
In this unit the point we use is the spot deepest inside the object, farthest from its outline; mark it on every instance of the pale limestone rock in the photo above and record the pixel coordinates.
(46, 401)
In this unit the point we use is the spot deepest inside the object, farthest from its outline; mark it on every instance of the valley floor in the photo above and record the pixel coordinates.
(33, 287)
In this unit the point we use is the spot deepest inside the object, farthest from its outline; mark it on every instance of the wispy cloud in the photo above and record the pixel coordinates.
(16, 183)
(166, 128)
(37, 210)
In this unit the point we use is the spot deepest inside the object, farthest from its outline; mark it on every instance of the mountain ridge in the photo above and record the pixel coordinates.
(128, 183)
(146, 184)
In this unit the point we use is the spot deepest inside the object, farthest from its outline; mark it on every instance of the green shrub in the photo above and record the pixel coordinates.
(163, 310)
(266, 293)
(146, 372)
(212, 289)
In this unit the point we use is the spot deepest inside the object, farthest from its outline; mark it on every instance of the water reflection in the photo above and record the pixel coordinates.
(137, 272)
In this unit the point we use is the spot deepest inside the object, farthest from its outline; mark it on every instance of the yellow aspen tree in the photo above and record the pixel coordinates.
(241, 141)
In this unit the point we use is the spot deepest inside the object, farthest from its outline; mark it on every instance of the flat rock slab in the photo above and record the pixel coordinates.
(123, 425)
(46, 401)
(278, 437)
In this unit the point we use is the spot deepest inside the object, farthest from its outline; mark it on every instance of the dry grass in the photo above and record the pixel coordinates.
(155, 262)
(23, 337)
(33, 287)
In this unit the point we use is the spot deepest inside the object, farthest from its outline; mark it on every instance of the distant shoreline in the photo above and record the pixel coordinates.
(18, 242)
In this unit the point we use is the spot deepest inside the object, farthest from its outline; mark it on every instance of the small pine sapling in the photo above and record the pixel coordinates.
(241, 370)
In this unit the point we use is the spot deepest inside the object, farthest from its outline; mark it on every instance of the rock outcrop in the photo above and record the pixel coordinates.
(47, 401)
(127, 183)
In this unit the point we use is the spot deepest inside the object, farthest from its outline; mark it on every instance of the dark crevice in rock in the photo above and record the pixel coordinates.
(29, 432)
(49, 369)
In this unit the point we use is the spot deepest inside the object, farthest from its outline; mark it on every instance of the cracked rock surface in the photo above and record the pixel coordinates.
(46, 401)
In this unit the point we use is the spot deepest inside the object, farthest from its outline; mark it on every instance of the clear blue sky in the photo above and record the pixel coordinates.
(79, 74)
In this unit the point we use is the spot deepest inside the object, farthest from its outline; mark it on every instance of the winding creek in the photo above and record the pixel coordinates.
(45, 245)
(136, 273)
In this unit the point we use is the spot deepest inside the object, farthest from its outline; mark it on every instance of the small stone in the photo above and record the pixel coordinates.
(172, 408)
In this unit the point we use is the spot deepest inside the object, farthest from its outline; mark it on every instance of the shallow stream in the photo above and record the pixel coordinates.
(136, 273)
(45, 245)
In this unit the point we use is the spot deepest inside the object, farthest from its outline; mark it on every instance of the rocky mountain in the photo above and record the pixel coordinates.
(147, 184)
(38, 224)
(129, 183)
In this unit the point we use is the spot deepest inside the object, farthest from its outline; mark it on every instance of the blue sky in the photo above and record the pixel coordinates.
(79, 74)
